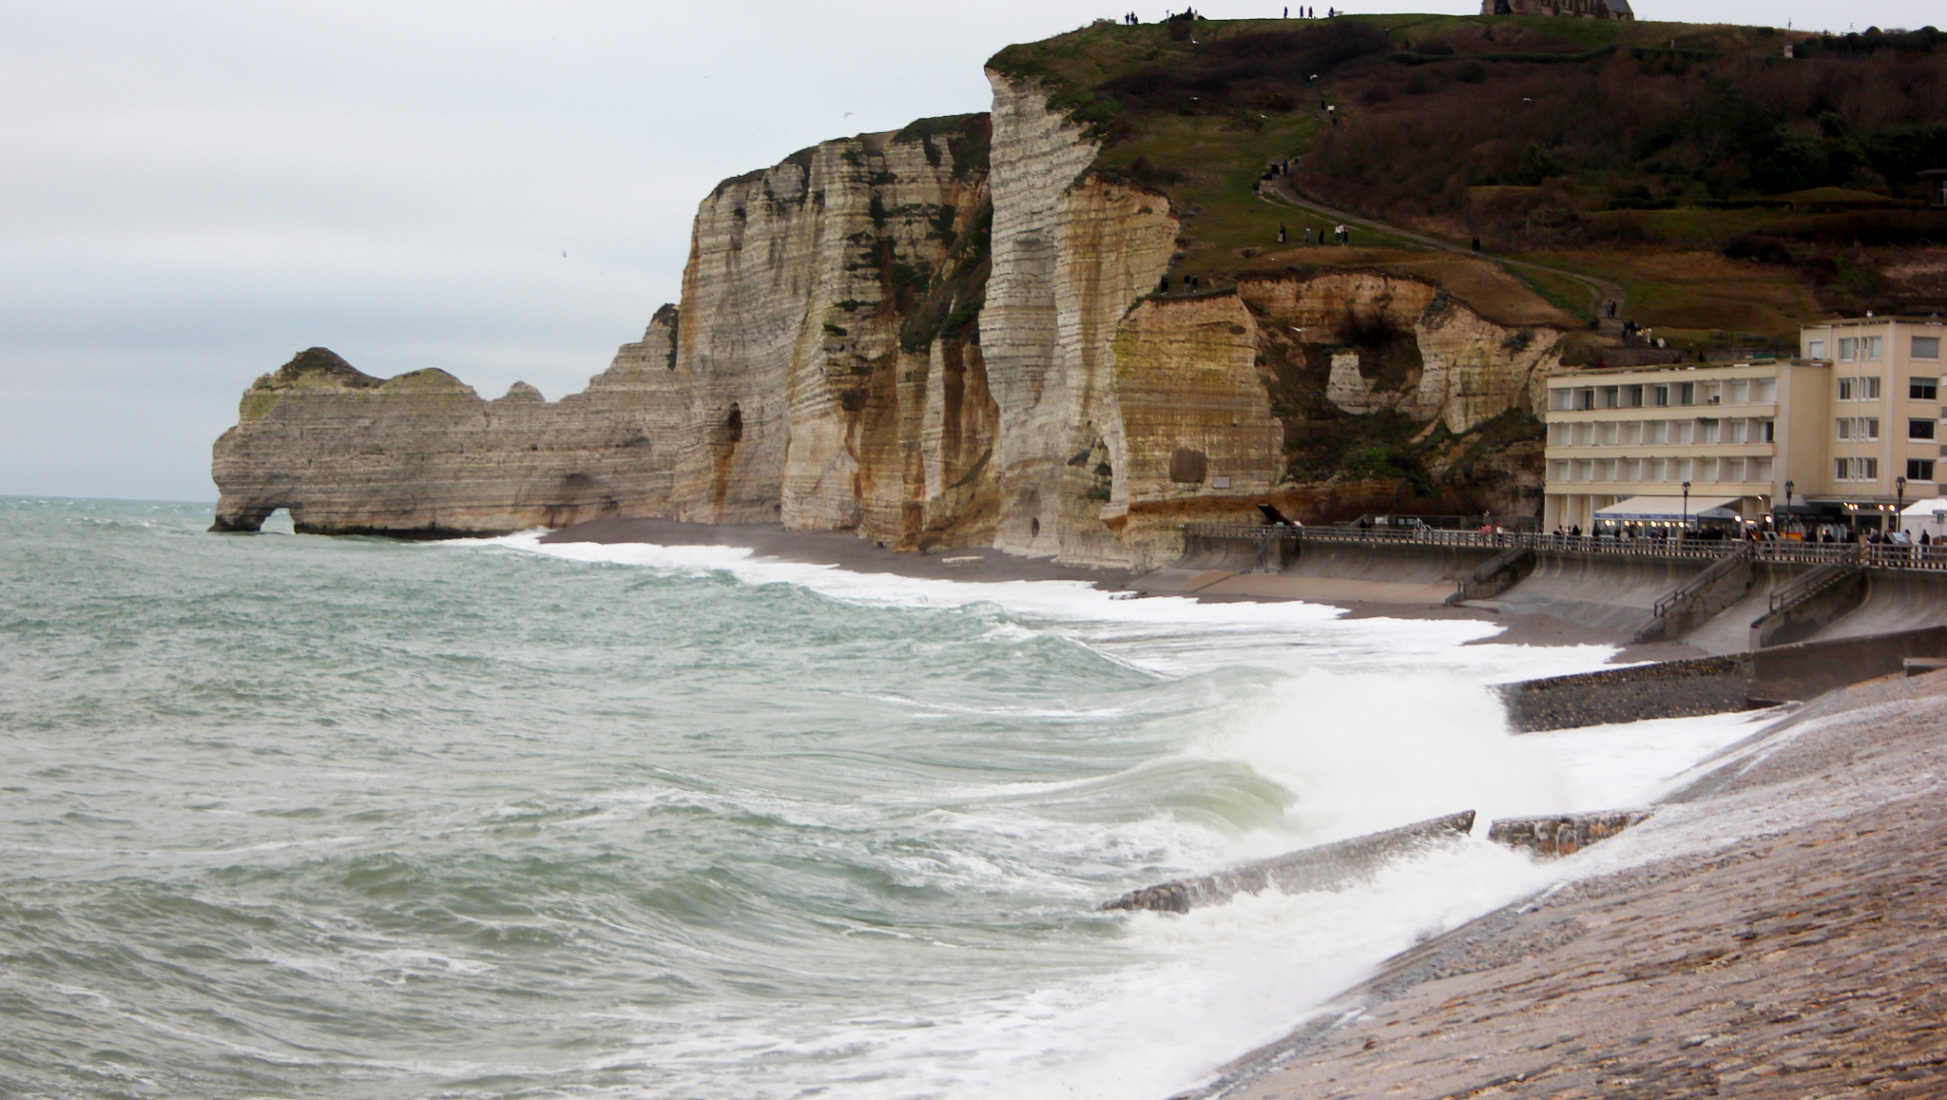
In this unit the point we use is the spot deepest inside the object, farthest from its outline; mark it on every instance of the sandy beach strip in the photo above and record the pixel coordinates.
(847, 551)
(1780, 930)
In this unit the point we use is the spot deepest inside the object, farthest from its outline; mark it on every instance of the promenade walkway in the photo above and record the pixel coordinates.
(1871, 556)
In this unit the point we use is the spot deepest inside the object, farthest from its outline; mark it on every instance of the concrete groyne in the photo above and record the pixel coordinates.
(1326, 867)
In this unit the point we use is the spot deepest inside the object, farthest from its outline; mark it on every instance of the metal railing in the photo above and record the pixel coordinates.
(1784, 551)
(1818, 580)
(1691, 588)
(1888, 555)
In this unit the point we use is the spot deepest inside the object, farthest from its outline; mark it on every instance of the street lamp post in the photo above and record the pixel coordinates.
(1686, 508)
(1791, 518)
(1899, 489)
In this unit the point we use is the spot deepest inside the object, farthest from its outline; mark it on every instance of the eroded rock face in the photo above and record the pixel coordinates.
(938, 337)
(824, 371)
(1470, 369)
(828, 303)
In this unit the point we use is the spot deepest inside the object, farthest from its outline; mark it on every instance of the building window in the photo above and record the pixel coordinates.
(1923, 389)
(1662, 397)
(1859, 389)
(1633, 397)
(1770, 427)
(1926, 347)
(1848, 348)
(1919, 469)
(1856, 469)
(1609, 400)
(1919, 429)
(1814, 349)
(1686, 393)
(1871, 347)
(1764, 391)
(1585, 399)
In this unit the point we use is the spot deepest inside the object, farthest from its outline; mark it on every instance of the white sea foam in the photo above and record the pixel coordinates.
(1175, 635)
(387, 967)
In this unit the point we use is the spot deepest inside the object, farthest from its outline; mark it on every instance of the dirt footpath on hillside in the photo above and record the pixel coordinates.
(1795, 945)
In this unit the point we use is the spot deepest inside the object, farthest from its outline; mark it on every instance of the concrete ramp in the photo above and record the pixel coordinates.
(1602, 591)
(1729, 631)
(1896, 600)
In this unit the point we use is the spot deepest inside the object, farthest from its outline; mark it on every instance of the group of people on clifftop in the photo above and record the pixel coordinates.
(1188, 14)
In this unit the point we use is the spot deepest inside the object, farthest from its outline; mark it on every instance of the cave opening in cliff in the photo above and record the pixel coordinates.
(278, 522)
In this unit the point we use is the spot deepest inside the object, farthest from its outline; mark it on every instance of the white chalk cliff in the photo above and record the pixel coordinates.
(939, 337)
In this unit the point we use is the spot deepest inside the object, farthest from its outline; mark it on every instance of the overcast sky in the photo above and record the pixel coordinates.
(193, 192)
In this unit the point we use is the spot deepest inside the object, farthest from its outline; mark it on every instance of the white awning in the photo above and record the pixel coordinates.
(1925, 508)
(1664, 509)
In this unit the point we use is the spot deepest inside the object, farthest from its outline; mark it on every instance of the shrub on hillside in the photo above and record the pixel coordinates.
(1729, 128)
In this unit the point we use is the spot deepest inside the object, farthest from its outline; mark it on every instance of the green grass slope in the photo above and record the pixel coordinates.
(1731, 190)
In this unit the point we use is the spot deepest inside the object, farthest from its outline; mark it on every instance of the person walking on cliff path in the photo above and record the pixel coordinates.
(1280, 232)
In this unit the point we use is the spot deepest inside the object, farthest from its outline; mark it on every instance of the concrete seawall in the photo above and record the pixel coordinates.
(1607, 591)
(1697, 594)
(1314, 569)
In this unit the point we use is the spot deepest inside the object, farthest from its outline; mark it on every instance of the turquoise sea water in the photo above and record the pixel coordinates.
(285, 816)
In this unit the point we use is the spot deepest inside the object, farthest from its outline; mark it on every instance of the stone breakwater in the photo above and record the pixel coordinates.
(1778, 936)
(949, 335)
(1715, 685)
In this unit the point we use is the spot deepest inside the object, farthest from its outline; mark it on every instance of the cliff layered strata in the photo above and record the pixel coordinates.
(424, 456)
(828, 306)
(825, 372)
(949, 335)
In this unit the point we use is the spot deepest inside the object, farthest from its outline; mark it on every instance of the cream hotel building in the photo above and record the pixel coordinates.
(1857, 411)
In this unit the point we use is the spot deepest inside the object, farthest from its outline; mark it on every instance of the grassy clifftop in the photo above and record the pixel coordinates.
(1725, 186)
